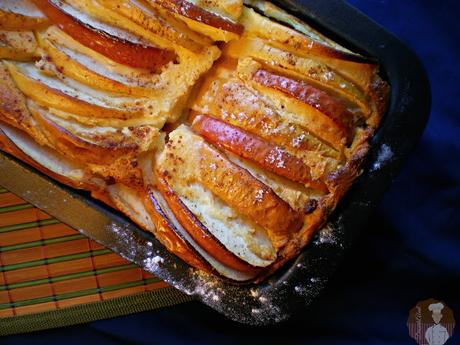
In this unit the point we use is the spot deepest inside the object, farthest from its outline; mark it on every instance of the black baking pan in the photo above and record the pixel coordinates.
(299, 282)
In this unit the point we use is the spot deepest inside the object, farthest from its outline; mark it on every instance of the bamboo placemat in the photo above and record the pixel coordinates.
(52, 276)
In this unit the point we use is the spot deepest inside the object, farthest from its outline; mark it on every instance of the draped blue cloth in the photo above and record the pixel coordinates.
(410, 250)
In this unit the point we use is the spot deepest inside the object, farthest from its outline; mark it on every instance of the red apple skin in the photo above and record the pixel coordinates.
(189, 10)
(310, 95)
(255, 149)
(119, 50)
(202, 236)
(168, 235)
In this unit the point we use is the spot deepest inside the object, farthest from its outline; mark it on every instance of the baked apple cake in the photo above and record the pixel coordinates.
(228, 129)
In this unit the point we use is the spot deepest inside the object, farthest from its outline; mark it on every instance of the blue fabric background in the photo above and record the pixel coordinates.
(410, 251)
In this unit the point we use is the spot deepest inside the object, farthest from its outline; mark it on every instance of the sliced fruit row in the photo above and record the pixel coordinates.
(227, 97)
(100, 92)
(127, 51)
(276, 108)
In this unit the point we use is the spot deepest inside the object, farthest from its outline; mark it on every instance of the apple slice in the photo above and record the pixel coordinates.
(168, 91)
(280, 16)
(65, 61)
(53, 93)
(194, 12)
(13, 108)
(21, 15)
(144, 209)
(201, 20)
(255, 149)
(178, 241)
(43, 158)
(230, 9)
(312, 96)
(306, 106)
(262, 27)
(202, 236)
(295, 194)
(239, 235)
(170, 237)
(99, 145)
(229, 99)
(118, 49)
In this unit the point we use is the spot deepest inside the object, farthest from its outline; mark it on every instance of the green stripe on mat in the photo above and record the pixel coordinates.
(13, 208)
(3, 190)
(28, 225)
(79, 293)
(54, 260)
(66, 277)
(93, 311)
(41, 243)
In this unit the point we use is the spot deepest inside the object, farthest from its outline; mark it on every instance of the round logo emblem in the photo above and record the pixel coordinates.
(431, 322)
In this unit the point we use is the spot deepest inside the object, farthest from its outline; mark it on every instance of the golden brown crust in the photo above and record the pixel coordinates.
(250, 198)
(339, 182)
(13, 103)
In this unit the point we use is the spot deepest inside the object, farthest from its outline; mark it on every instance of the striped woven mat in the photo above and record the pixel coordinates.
(52, 276)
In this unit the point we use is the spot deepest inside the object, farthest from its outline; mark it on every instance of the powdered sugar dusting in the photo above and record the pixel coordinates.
(207, 287)
(259, 195)
(267, 309)
(384, 156)
(298, 140)
(276, 157)
(124, 234)
(264, 307)
(326, 235)
(153, 263)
